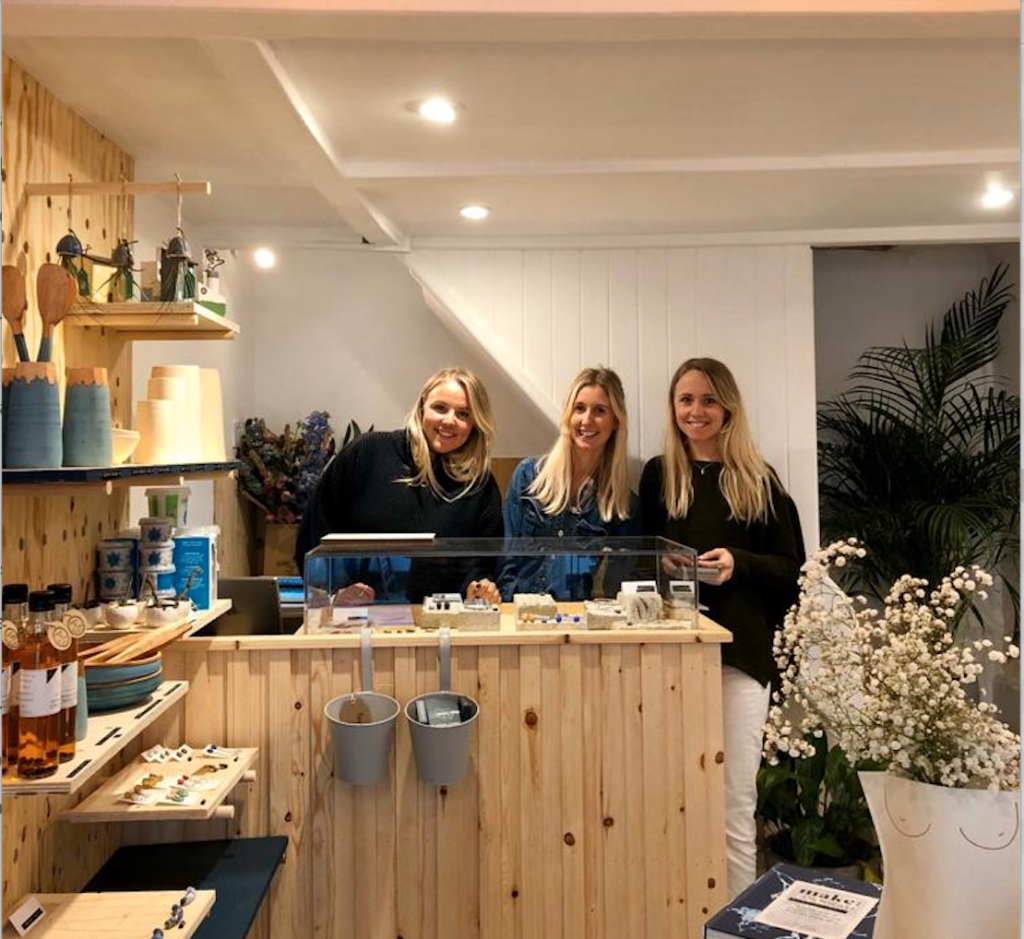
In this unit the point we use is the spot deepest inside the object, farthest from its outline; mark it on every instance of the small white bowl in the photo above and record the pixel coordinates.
(166, 615)
(123, 443)
(120, 615)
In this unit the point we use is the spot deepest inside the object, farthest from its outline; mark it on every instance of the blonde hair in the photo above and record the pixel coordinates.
(471, 463)
(553, 486)
(746, 479)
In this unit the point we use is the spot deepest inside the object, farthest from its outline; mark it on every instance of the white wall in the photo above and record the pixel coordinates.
(547, 313)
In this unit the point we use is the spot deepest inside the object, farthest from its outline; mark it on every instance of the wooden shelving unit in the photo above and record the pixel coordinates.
(98, 479)
(186, 319)
(108, 734)
(105, 804)
(122, 915)
(200, 619)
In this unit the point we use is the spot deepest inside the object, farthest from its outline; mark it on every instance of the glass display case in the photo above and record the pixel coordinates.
(408, 581)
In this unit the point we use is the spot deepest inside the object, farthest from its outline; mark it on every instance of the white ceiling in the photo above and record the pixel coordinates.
(590, 125)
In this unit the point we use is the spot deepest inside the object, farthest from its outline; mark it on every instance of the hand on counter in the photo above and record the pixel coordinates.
(483, 590)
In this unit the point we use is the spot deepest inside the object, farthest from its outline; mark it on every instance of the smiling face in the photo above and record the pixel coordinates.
(591, 423)
(447, 419)
(699, 414)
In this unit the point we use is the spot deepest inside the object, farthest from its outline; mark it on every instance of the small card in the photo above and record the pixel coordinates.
(639, 586)
(820, 911)
(26, 916)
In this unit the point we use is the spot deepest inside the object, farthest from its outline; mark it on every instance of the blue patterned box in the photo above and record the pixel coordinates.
(737, 921)
(197, 548)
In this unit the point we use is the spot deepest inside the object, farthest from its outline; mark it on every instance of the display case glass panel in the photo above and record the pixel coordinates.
(542, 583)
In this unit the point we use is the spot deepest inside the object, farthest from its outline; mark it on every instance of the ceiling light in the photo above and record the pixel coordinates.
(437, 110)
(996, 197)
(475, 213)
(264, 257)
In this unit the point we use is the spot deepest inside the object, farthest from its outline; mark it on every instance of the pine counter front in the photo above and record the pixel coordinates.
(593, 807)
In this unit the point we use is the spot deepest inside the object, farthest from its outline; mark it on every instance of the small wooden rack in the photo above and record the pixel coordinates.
(105, 804)
(107, 735)
(122, 915)
(184, 319)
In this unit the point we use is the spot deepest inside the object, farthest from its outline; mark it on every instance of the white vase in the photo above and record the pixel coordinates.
(950, 860)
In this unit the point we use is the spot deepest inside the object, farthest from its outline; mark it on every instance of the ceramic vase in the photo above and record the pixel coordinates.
(172, 389)
(950, 860)
(87, 438)
(192, 420)
(34, 433)
(154, 420)
(212, 419)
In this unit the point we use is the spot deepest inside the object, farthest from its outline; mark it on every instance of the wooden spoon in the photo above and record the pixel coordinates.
(54, 293)
(14, 305)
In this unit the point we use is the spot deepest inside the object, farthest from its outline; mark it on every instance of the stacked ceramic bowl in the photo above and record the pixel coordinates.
(156, 556)
(118, 686)
(115, 569)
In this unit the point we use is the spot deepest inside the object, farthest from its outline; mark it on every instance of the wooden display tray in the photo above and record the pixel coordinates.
(121, 915)
(108, 733)
(202, 618)
(104, 804)
(185, 319)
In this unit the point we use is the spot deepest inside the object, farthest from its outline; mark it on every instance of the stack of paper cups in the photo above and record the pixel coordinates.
(173, 390)
(154, 420)
(189, 374)
(212, 416)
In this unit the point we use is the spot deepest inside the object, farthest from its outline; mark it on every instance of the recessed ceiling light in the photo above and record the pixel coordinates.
(475, 213)
(437, 110)
(996, 197)
(264, 257)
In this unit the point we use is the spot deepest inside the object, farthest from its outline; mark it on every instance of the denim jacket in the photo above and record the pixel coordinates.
(565, 577)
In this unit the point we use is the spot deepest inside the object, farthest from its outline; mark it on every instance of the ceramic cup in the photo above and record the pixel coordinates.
(155, 530)
(156, 556)
(34, 433)
(87, 438)
(114, 585)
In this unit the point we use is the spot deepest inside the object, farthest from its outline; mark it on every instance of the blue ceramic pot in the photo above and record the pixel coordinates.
(33, 433)
(87, 439)
(5, 411)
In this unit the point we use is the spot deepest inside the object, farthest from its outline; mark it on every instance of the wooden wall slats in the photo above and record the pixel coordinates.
(551, 815)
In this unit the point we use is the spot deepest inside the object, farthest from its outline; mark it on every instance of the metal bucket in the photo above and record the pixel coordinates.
(362, 751)
(441, 725)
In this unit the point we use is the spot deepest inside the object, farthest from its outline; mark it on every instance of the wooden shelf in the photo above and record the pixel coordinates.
(97, 479)
(105, 804)
(200, 619)
(108, 734)
(187, 319)
(126, 915)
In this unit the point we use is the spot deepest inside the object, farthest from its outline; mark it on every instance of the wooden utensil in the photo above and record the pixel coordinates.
(14, 305)
(146, 645)
(55, 290)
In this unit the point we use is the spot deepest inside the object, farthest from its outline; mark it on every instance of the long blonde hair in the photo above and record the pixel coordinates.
(471, 463)
(746, 479)
(553, 486)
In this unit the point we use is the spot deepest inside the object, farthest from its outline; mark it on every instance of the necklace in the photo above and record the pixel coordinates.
(704, 465)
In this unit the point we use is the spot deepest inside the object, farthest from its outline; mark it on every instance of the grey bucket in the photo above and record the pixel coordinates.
(362, 751)
(442, 751)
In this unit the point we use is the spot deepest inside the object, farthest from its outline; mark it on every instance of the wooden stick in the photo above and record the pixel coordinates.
(149, 643)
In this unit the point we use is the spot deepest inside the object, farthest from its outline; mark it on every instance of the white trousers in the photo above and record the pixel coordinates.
(745, 709)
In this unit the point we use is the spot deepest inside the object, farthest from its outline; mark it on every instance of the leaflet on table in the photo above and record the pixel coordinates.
(817, 910)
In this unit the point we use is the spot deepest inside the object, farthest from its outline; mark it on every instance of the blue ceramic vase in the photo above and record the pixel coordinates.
(33, 432)
(5, 410)
(87, 438)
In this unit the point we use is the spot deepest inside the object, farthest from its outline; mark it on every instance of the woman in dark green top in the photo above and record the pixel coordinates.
(712, 490)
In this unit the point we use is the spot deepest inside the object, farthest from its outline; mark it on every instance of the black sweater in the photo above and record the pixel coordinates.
(360, 491)
(767, 555)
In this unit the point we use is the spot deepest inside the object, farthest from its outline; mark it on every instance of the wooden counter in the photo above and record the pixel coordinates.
(593, 806)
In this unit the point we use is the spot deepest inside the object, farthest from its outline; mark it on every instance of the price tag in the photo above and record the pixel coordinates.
(26, 916)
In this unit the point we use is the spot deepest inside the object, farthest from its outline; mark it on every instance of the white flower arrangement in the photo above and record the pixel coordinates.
(891, 686)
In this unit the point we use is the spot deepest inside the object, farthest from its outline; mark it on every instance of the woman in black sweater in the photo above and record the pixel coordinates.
(712, 490)
(432, 476)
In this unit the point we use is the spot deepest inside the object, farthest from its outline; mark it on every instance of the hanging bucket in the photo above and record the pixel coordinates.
(362, 727)
(441, 724)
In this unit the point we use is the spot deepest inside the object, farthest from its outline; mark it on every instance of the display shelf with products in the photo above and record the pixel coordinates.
(200, 619)
(98, 479)
(185, 319)
(107, 735)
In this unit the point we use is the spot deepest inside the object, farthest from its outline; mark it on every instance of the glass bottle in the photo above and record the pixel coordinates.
(39, 702)
(15, 613)
(62, 594)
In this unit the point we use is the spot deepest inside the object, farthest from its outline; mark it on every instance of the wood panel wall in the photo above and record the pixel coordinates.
(643, 311)
(593, 806)
(48, 540)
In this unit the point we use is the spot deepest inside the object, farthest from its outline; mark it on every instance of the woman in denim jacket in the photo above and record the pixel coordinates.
(579, 489)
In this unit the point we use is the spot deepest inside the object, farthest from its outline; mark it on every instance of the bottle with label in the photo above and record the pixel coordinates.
(15, 615)
(62, 594)
(39, 702)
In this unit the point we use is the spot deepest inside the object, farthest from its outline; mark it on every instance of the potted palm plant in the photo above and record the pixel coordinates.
(920, 458)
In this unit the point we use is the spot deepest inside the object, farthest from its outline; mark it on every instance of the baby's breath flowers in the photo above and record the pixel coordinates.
(891, 686)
